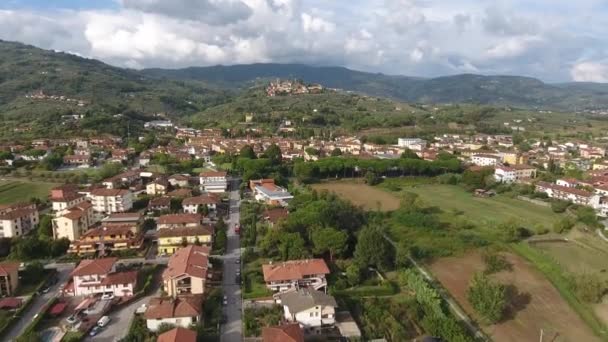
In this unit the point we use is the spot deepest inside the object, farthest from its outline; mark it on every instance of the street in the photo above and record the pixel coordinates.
(232, 330)
(63, 273)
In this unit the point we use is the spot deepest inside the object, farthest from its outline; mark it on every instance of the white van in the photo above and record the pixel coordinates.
(103, 321)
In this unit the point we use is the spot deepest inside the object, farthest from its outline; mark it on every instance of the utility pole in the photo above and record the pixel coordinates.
(541, 335)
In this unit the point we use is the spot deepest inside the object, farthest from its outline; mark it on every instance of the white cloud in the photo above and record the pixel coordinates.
(412, 37)
(590, 72)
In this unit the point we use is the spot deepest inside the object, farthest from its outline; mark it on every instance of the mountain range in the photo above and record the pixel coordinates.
(25, 69)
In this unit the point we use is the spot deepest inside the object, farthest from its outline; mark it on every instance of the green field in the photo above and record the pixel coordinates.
(19, 191)
(453, 200)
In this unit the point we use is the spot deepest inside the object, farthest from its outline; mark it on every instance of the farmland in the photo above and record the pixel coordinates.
(535, 303)
(360, 194)
(17, 191)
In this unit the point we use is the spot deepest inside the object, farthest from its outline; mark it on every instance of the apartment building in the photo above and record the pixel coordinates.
(179, 220)
(214, 181)
(171, 240)
(73, 222)
(511, 174)
(186, 272)
(193, 204)
(309, 308)
(9, 278)
(65, 197)
(18, 220)
(98, 276)
(109, 201)
(107, 239)
(265, 190)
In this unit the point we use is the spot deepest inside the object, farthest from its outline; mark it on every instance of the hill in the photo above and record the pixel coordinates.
(96, 90)
(514, 91)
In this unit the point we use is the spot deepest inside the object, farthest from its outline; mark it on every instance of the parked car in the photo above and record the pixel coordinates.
(107, 296)
(225, 300)
(103, 321)
(142, 309)
(96, 329)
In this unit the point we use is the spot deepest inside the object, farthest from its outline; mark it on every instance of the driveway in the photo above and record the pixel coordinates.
(232, 330)
(63, 273)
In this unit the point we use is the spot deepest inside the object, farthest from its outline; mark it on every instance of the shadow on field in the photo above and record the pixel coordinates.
(516, 300)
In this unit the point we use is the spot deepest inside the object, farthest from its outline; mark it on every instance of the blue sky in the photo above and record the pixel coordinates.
(554, 40)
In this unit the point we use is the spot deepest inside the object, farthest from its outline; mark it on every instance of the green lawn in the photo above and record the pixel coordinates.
(19, 191)
(453, 200)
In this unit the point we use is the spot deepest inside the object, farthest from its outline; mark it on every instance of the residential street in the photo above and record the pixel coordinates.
(63, 273)
(232, 330)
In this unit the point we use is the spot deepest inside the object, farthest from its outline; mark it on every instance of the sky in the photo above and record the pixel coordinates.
(554, 40)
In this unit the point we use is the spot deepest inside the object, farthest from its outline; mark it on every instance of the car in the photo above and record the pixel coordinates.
(103, 321)
(225, 301)
(237, 279)
(238, 261)
(224, 319)
(107, 296)
(72, 319)
(95, 330)
(45, 289)
(142, 309)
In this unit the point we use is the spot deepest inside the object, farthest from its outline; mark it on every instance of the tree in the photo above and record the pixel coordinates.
(329, 240)
(489, 299)
(409, 154)
(373, 249)
(353, 274)
(559, 206)
(292, 247)
(590, 288)
(371, 178)
(563, 225)
(45, 228)
(247, 152)
(336, 152)
(221, 236)
(273, 152)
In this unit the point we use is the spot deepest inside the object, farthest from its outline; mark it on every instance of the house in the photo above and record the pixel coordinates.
(73, 222)
(567, 182)
(485, 159)
(65, 197)
(18, 220)
(186, 272)
(182, 311)
(282, 276)
(77, 160)
(193, 204)
(109, 201)
(283, 333)
(172, 239)
(414, 144)
(310, 308)
(98, 276)
(107, 239)
(576, 196)
(157, 187)
(122, 219)
(511, 174)
(9, 278)
(267, 191)
(179, 220)
(213, 181)
(177, 335)
(160, 204)
(178, 180)
(275, 215)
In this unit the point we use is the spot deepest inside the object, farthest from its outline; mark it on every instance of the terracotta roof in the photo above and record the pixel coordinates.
(276, 214)
(184, 306)
(67, 197)
(128, 277)
(185, 231)
(74, 214)
(180, 219)
(109, 192)
(177, 335)
(283, 333)
(190, 260)
(6, 268)
(203, 199)
(183, 193)
(555, 187)
(17, 213)
(110, 230)
(160, 202)
(94, 266)
(179, 177)
(213, 174)
(294, 269)
(84, 205)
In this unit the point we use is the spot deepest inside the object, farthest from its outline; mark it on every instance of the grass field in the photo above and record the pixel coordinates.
(535, 303)
(360, 194)
(18, 191)
(482, 211)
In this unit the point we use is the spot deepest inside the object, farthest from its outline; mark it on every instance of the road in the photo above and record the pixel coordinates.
(232, 330)
(445, 296)
(63, 273)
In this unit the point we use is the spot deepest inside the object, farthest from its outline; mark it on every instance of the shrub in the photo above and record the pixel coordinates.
(495, 263)
(559, 206)
(487, 298)
(589, 288)
(563, 225)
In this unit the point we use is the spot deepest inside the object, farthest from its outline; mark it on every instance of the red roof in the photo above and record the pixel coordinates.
(283, 333)
(213, 174)
(191, 260)
(7, 268)
(128, 277)
(10, 303)
(180, 219)
(294, 269)
(94, 266)
(177, 335)
(58, 309)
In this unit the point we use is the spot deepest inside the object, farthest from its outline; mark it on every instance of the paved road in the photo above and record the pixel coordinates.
(232, 330)
(63, 273)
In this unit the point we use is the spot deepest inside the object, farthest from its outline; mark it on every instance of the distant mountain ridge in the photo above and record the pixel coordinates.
(517, 91)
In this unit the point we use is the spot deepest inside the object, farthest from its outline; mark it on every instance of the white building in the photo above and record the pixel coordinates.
(267, 191)
(485, 159)
(109, 201)
(98, 276)
(511, 174)
(214, 181)
(282, 276)
(182, 311)
(191, 205)
(18, 220)
(414, 144)
(310, 308)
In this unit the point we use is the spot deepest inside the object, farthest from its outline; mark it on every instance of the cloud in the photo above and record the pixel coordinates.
(590, 72)
(412, 37)
(214, 12)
